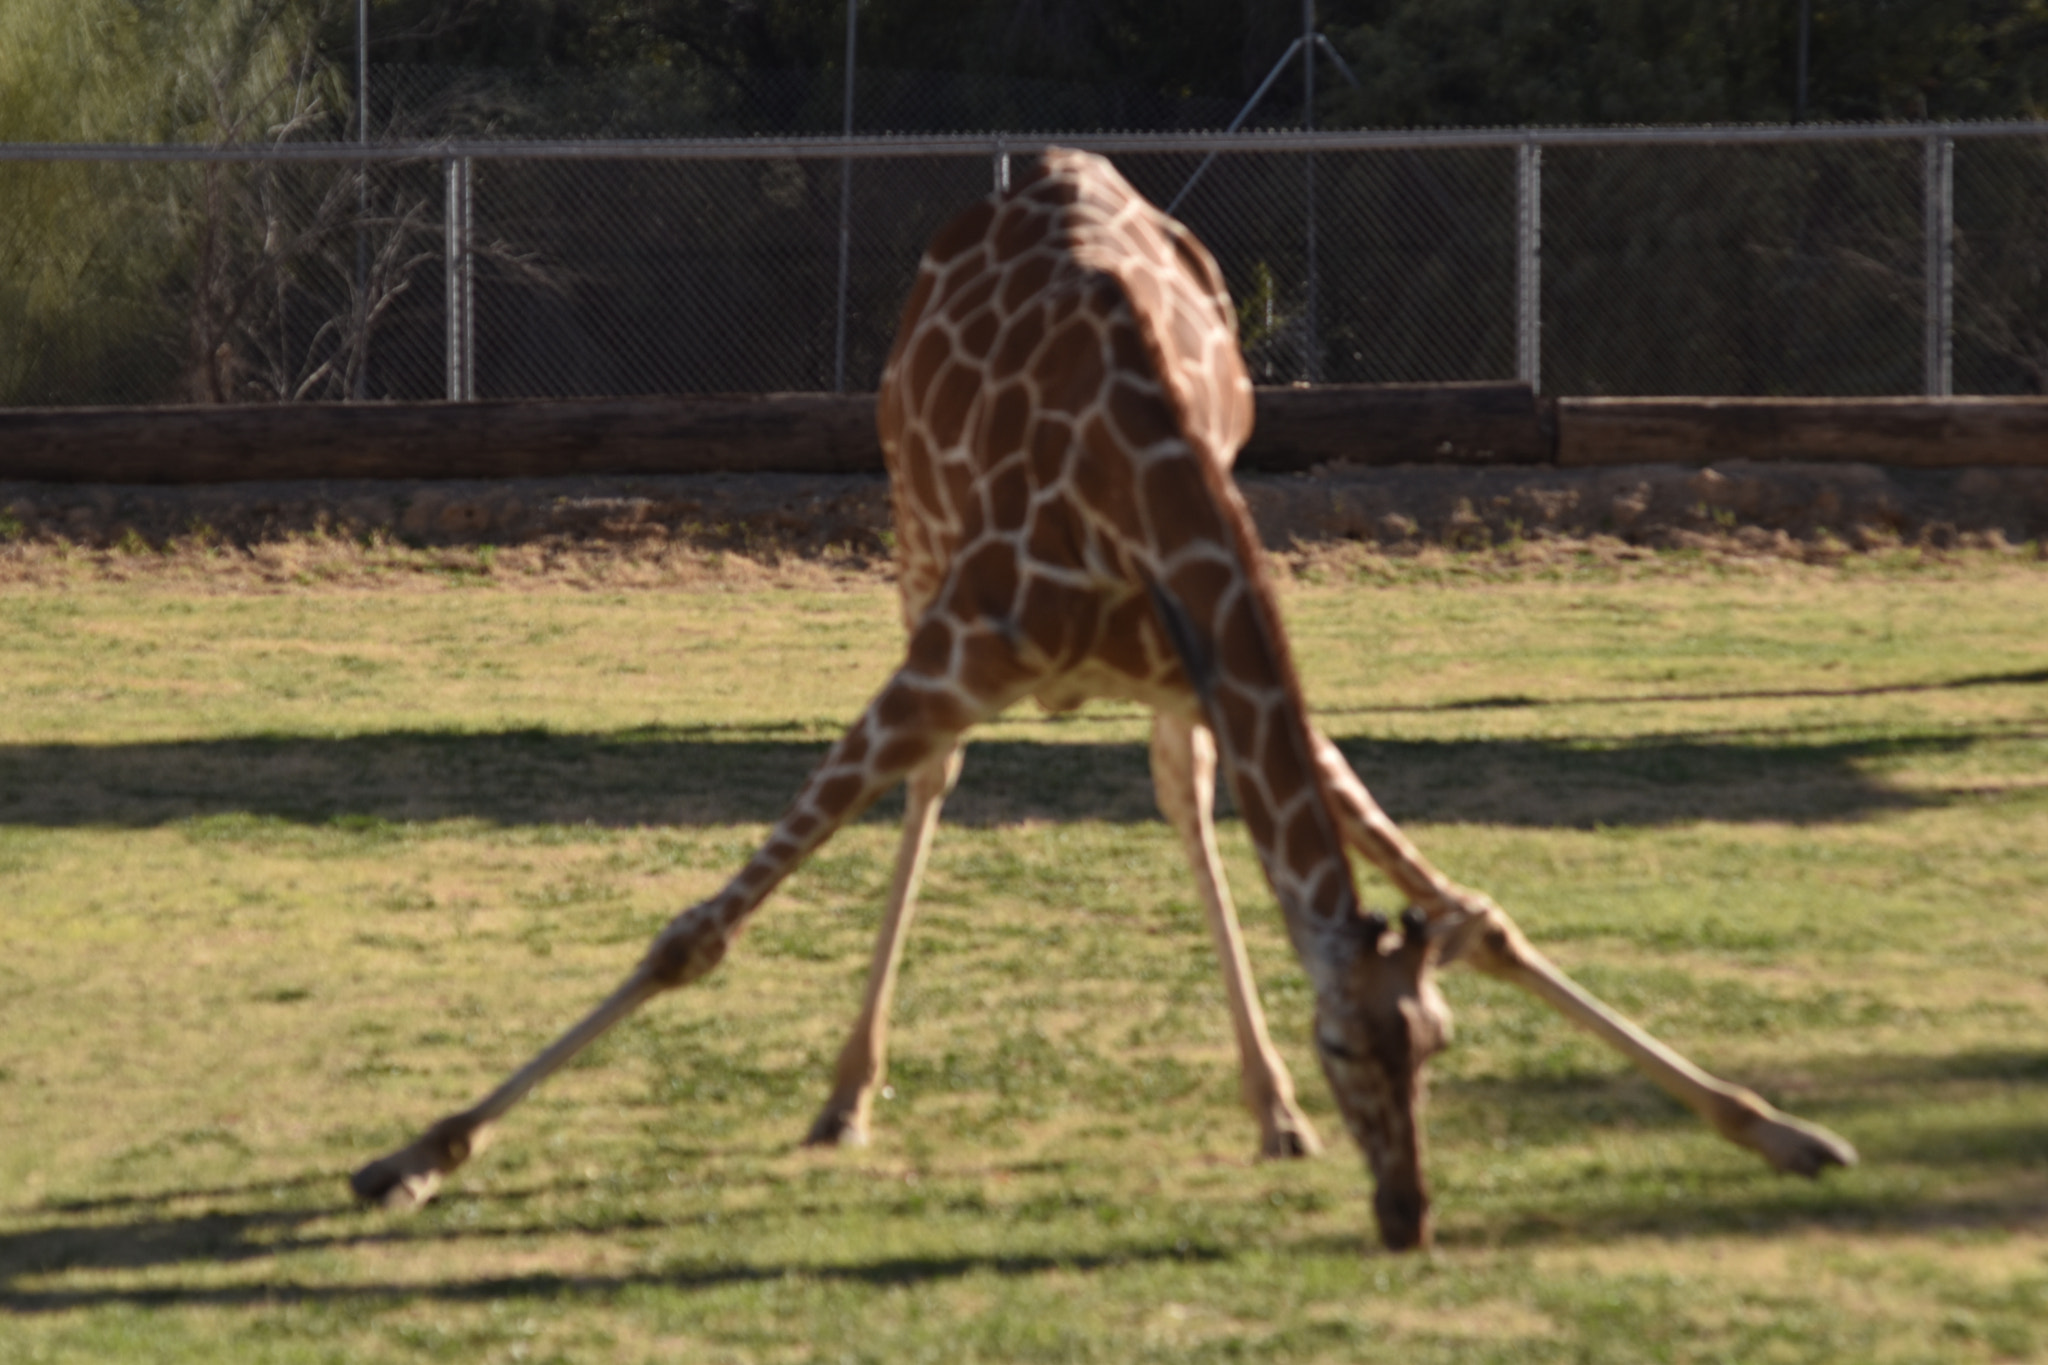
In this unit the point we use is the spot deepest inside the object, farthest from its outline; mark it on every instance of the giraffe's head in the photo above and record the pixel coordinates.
(1379, 1018)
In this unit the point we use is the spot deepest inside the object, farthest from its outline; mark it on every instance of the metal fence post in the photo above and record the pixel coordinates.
(1311, 327)
(845, 261)
(460, 267)
(1529, 265)
(359, 388)
(1002, 166)
(845, 209)
(1940, 212)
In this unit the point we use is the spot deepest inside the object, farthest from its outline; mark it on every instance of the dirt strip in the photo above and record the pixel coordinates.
(1787, 509)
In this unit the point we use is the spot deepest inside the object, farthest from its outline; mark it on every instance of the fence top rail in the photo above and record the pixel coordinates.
(872, 147)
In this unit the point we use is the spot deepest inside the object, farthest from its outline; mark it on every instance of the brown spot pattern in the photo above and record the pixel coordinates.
(1009, 416)
(1052, 440)
(931, 647)
(989, 666)
(1021, 336)
(986, 582)
(952, 399)
(964, 233)
(975, 291)
(835, 795)
(1178, 506)
(1008, 498)
(1070, 369)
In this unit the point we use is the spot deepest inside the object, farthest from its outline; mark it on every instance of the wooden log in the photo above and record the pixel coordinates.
(807, 433)
(1925, 433)
(794, 432)
(1387, 424)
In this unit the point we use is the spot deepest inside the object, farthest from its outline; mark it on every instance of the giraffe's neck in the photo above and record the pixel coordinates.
(1221, 613)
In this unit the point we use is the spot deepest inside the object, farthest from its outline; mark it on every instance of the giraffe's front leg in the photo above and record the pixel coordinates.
(864, 1060)
(689, 947)
(410, 1176)
(1470, 928)
(917, 717)
(1184, 778)
(1483, 936)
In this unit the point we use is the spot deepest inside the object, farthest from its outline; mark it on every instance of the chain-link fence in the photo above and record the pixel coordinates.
(1818, 261)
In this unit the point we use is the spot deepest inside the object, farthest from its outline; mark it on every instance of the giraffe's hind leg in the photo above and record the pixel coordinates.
(864, 1060)
(1472, 929)
(1184, 777)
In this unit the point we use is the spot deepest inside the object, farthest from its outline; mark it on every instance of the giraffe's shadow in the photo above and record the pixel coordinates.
(660, 776)
(1947, 1168)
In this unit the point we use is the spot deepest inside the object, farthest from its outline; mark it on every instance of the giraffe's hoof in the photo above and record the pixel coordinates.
(1291, 1141)
(388, 1183)
(837, 1128)
(409, 1177)
(1795, 1147)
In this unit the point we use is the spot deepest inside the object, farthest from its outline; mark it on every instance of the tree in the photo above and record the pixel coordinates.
(214, 280)
(1479, 62)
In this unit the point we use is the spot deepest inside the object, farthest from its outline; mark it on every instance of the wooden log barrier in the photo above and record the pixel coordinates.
(1923, 433)
(785, 432)
(813, 433)
(1388, 424)
(803, 433)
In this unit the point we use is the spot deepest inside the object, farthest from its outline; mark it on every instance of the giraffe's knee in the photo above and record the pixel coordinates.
(1485, 939)
(688, 949)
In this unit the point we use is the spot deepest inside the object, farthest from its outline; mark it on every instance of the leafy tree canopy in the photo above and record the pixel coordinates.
(152, 69)
(1424, 62)
(163, 70)
(1419, 61)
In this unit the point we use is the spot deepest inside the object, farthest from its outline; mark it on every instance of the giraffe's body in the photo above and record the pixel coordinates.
(1059, 415)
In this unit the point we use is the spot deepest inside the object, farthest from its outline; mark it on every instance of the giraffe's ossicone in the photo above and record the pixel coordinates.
(1059, 415)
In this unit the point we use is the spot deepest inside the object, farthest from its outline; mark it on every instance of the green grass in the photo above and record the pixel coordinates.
(287, 874)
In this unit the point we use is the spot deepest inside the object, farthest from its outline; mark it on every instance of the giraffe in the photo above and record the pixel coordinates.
(1059, 415)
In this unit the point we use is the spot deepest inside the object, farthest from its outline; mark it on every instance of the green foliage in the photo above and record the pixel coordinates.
(1420, 61)
(1423, 62)
(97, 262)
(113, 70)
(1192, 48)
(116, 71)
(71, 71)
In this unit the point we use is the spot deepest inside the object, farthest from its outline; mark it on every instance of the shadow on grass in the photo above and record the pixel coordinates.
(212, 1239)
(1521, 700)
(1910, 1109)
(205, 1242)
(674, 777)
(1912, 1114)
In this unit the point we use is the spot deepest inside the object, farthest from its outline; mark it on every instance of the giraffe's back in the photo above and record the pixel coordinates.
(1060, 341)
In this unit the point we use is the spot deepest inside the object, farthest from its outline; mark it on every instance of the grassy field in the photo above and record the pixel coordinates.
(288, 872)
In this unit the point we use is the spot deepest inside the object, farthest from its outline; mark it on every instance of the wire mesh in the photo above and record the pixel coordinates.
(2001, 268)
(217, 282)
(88, 281)
(1666, 266)
(1766, 270)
